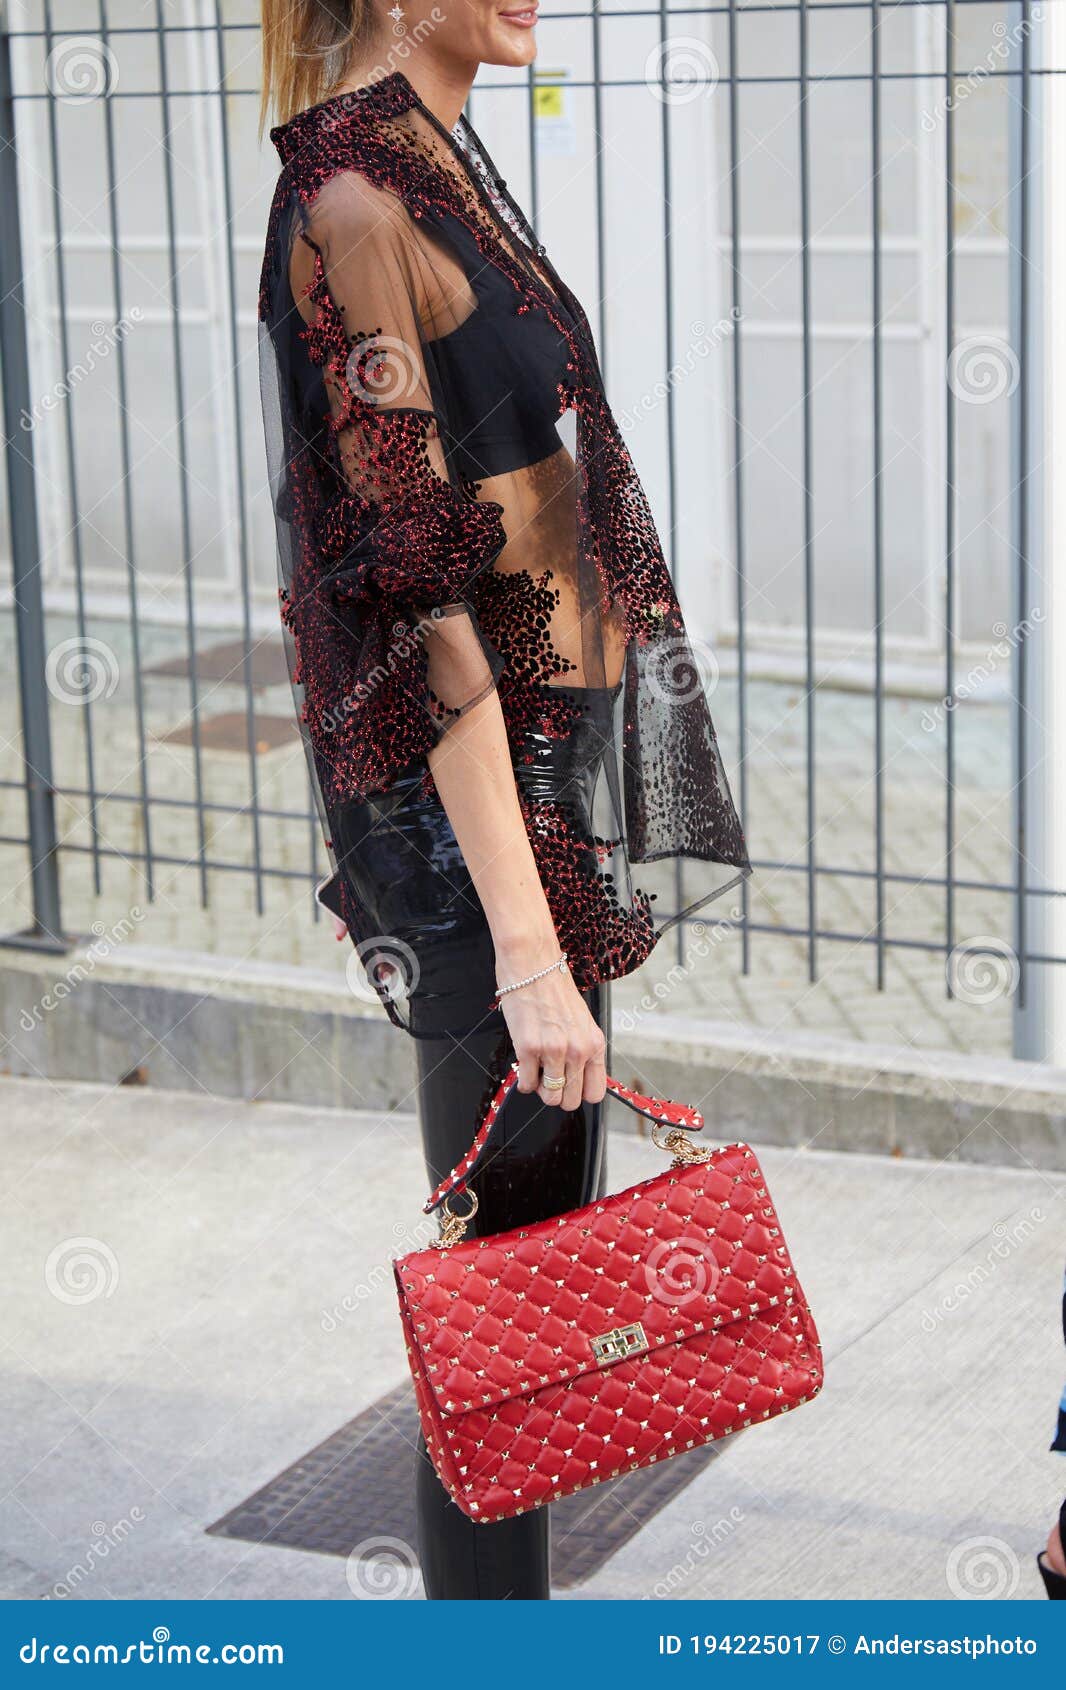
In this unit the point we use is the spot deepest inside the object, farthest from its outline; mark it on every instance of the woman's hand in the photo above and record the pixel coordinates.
(552, 1029)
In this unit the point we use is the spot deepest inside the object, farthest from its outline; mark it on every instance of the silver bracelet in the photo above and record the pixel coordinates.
(516, 985)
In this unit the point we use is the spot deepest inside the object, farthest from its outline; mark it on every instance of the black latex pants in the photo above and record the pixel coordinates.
(543, 1162)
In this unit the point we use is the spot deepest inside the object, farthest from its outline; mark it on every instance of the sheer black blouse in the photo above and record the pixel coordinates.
(456, 512)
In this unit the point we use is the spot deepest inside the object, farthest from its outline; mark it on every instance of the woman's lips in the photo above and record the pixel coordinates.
(525, 18)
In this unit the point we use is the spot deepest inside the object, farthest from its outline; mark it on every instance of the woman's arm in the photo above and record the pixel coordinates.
(549, 1022)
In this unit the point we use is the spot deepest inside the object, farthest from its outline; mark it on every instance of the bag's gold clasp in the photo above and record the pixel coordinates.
(678, 1144)
(453, 1227)
(615, 1345)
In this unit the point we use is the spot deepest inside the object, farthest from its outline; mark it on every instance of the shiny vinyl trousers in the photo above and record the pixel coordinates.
(543, 1161)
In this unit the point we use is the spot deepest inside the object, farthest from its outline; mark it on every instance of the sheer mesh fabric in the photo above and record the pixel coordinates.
(457, 512)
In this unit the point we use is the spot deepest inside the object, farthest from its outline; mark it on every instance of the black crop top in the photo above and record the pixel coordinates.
(503, 376)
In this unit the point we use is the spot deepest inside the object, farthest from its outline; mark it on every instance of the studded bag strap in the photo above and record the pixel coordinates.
(658, 1109)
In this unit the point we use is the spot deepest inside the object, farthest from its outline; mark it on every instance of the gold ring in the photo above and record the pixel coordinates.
(551, 1083)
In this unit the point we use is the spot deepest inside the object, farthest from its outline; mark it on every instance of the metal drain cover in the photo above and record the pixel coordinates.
(231, 662)
(229, 732)
(360, 1484)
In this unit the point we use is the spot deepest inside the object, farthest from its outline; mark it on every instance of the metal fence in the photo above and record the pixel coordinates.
(136, 519)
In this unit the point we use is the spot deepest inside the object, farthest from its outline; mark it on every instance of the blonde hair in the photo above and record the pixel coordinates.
(306, 45)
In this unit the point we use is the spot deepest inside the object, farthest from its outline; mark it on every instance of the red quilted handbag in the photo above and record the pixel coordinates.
(566, 1352)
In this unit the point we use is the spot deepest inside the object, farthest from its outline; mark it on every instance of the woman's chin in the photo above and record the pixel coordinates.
(512, 47)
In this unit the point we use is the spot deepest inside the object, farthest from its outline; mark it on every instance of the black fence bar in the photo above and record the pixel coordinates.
(1034, 656)
(531, 142)
(243, 542)
(601, 196)
(755, 8)
(803, 20)
(180, 431)
(765, 865)
(314, 847)
(950, 472)
(877, 375)
(822, 79)
(47, 931)
(73, 478)
(1021, 503)
(737, 466)
(805, 916)
(129, 527)
(666, 176)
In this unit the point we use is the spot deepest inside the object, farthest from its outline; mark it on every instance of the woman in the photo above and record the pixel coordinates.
(500, 706)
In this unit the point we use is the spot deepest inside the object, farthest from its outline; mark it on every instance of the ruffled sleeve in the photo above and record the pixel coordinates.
(388, 538)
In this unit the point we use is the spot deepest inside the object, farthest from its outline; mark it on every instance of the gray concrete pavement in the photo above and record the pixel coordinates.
(172, 1263)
